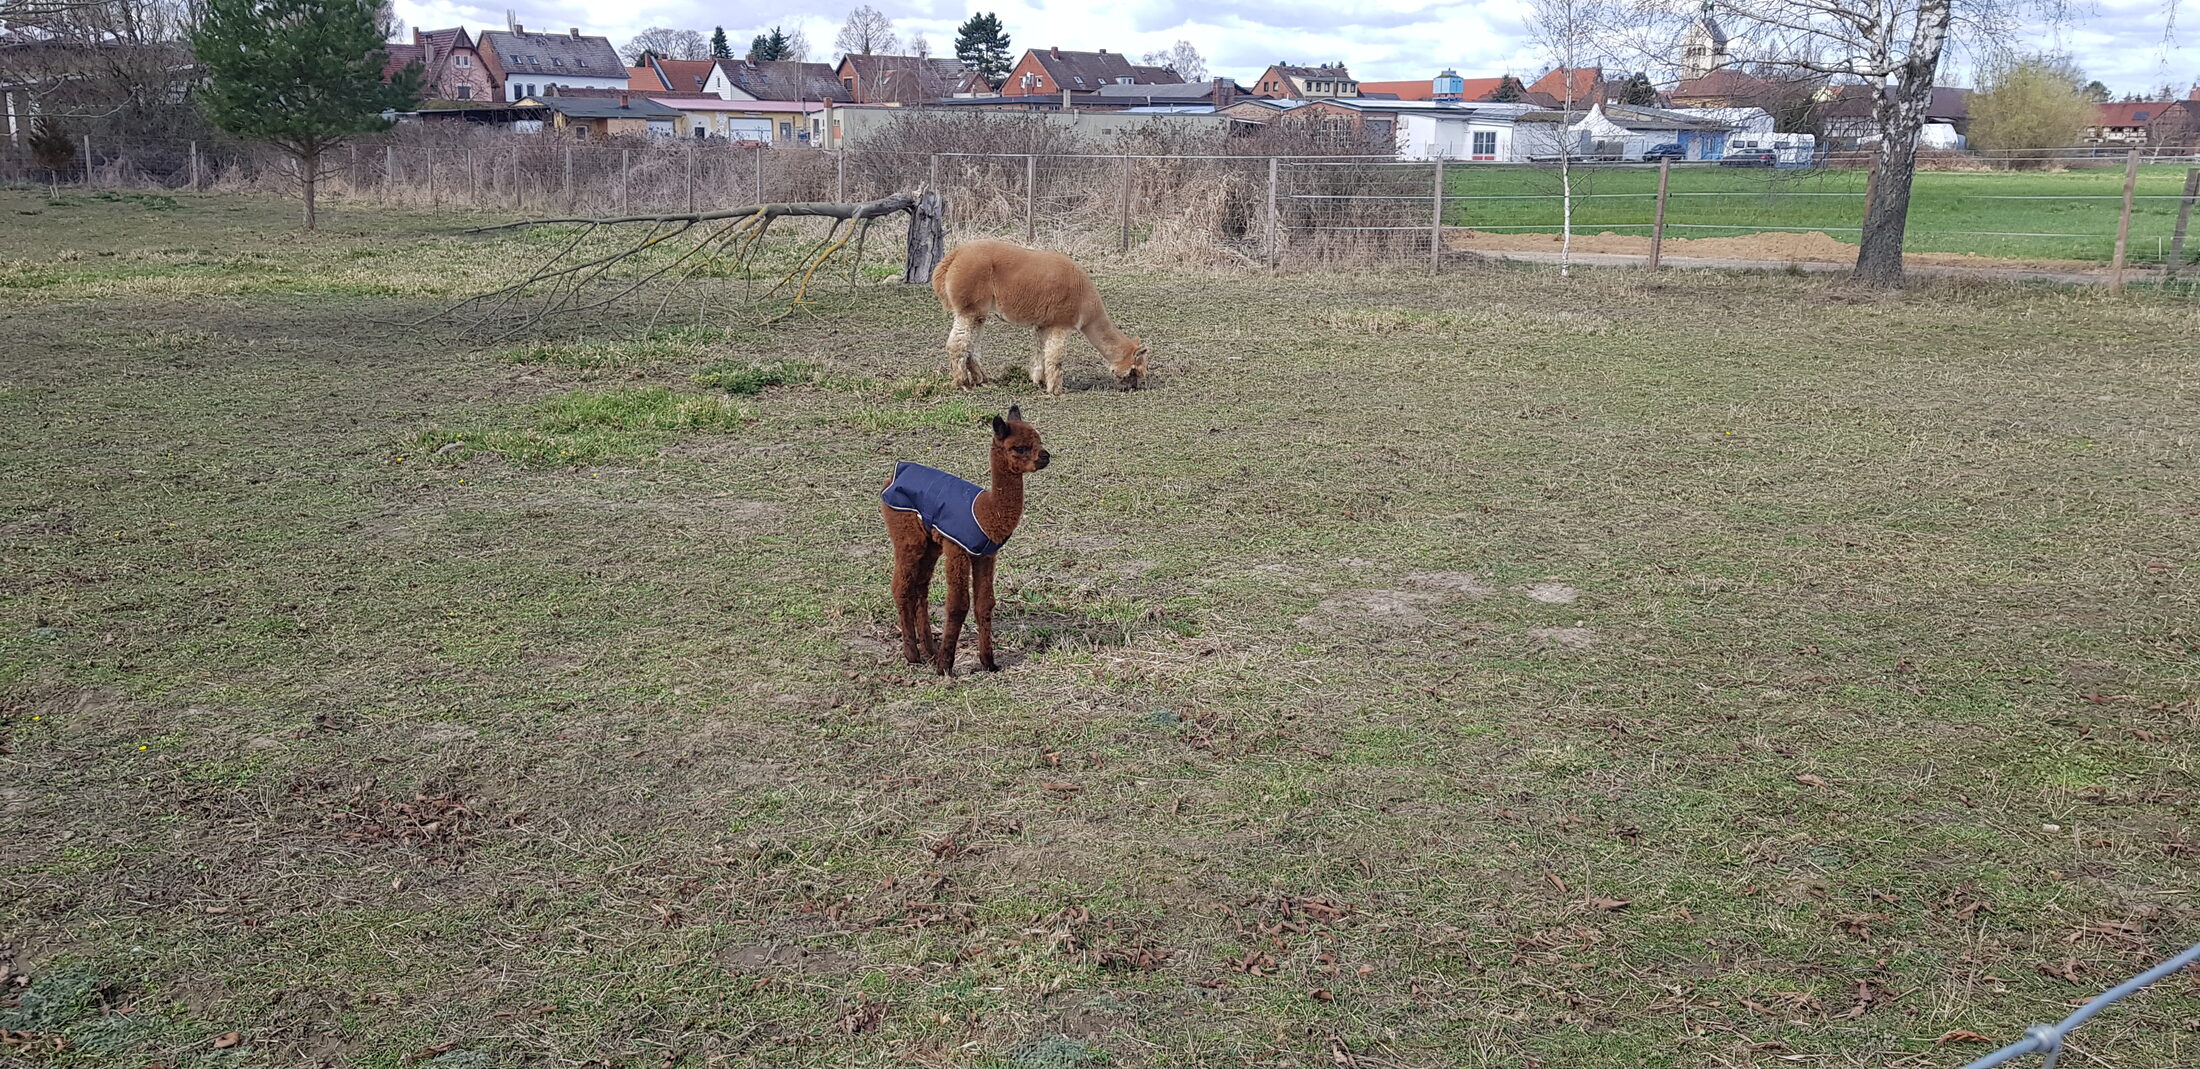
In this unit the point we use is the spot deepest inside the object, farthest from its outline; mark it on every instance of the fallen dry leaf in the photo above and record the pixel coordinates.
(1555, 881)
(2067, 969)
(1808, 779)
(1607, 904)
(1063, 787)
(227, 1040)
(1321, 994)
(1960, 1036)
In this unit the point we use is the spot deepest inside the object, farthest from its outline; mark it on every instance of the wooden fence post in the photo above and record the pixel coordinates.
(569, 194)
(87, 161)
(351, 177)
(389, 170)
(1275, 220)
(473, 180)
(932, 173)
(760, 173)
(427, 163)
(626, 162)
(194, 166)
(2123, 224)
(691, 180)
(2184, 218)
(1031, 198)
(1657, 220)
(1126, 202)
(840, 175)
(519, 188)
(1436, 221)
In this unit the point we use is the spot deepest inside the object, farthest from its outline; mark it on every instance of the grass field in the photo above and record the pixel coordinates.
(1950, 211)
(1488, 671)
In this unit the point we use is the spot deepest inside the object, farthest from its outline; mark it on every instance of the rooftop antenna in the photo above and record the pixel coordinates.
(511, 19)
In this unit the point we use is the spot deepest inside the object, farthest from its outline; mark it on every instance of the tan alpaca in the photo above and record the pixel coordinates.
(1034, 288)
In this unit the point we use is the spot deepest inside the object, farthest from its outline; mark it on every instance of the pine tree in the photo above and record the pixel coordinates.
(769, 47)
(302, 75)
(51, 145)
(982, 46)
(1508, 90)
(720, 48)
(1638, 91)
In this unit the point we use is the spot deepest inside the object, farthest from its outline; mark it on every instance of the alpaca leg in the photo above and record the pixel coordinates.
(981, 605)
(1057, 340)
(1039, 359)
(907, 534)
(958, 604)
(923, 599)
(962, 352)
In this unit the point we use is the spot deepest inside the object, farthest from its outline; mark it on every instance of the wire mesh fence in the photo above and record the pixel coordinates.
(1272, 211)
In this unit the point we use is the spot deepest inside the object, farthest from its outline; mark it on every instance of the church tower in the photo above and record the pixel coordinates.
(1703, 47)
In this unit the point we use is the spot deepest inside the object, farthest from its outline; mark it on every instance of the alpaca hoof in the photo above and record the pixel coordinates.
(988, 665)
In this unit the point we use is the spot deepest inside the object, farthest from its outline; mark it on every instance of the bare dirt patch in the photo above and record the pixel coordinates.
(1566, 638)
(1396, 608)
(1550, 593)
(1460, 583)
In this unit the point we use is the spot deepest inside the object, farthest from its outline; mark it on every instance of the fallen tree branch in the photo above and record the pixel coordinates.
(559, 281)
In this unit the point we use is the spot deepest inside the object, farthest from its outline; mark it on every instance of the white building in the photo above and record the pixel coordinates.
(535, 64)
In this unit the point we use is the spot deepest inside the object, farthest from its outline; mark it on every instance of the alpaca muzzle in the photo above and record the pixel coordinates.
(1044, 457)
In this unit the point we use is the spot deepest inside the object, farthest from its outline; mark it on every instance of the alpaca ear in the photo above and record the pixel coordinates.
(1015, 414)
(1000, 429)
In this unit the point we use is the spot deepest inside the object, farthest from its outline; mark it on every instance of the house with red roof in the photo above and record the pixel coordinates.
(1052, 72)
(451, 65)
(2147, 122)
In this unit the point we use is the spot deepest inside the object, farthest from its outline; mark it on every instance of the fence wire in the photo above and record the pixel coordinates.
(1282, 212)
(2047, 1039)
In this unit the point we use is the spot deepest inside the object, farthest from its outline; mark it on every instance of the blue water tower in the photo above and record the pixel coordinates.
(1448, 86)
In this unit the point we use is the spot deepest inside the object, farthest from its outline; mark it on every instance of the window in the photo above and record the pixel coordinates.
(848, 84)
(461, 61)
(580, 63)
(556, 62)
(465, 92)
(700, 132)
(786, 130)
(1485, 144)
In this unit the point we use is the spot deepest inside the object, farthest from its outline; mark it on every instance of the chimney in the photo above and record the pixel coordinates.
(1057, 50)
(517, 28)
(1065, 100)
(576, 32)
(624, 101)
(1103, 51)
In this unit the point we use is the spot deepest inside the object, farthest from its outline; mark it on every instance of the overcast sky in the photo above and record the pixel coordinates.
(2120, 42)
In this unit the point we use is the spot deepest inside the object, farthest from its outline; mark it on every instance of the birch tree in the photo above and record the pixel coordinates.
(1896, 46)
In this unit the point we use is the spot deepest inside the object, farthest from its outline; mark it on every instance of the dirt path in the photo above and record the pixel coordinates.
(1811, 251)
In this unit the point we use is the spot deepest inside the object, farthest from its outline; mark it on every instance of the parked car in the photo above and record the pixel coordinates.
(1751, 157)
(1661, 153)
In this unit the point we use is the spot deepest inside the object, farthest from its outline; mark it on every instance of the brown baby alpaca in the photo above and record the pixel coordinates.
(1016, 453)
(1034, 288)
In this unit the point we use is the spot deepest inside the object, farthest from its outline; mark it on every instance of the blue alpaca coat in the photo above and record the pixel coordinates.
(947, 504)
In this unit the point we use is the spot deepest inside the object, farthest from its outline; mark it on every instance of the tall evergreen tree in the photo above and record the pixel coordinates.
(302, 75)
(770, 47)
(1638, 91)
(720, 48)
(1508, 90)
(982, 46)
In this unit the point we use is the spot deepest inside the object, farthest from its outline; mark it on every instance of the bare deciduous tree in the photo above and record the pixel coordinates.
(1182, 58)
(1897, 46)
(667, 43)
(867, 31)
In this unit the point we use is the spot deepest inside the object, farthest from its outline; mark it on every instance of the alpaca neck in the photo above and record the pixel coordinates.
(1002, 507)
(1101, 332)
